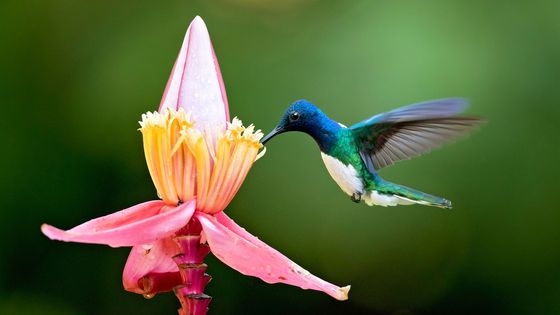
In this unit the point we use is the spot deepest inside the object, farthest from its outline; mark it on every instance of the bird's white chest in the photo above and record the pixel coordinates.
(345, 176)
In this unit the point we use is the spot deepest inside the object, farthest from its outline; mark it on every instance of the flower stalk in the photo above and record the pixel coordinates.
(192, 269)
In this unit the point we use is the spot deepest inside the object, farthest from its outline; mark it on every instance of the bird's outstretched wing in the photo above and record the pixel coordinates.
(410, 131)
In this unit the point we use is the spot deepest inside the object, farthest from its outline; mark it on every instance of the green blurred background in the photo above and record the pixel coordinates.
(75, 76)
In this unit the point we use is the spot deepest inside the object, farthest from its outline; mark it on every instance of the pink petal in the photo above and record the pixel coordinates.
(153, 261)
(196, 82)
(250, 256)
(140, 224)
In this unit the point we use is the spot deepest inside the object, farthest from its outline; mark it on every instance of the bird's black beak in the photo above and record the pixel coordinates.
(271, 134)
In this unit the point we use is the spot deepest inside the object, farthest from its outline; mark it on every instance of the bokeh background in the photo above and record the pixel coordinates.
(76, 75)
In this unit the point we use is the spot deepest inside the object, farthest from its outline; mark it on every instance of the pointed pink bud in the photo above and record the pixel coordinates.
(247, 254)
(196, 83)
(140, 224)
(149, 268)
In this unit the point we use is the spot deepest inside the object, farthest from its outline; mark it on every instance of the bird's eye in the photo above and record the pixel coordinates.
(294, 116)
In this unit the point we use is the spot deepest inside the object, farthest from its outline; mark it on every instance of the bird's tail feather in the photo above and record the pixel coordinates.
(390, 194)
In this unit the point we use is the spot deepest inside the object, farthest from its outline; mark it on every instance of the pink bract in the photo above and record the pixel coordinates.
(245, 253)
(140, 224)
(196, 83)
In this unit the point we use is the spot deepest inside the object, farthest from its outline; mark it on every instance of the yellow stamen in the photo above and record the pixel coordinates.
(183, 164)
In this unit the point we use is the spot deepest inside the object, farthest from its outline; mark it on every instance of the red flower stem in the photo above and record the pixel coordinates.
(192, 270)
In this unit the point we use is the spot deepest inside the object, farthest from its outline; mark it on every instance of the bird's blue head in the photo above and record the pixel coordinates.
(305, 117)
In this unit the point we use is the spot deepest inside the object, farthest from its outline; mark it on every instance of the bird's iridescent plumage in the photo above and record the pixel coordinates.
(377, 142)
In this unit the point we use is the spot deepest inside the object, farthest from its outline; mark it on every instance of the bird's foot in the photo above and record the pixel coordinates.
(356, 197)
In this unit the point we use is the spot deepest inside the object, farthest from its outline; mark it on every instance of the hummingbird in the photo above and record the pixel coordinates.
(354, 155)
